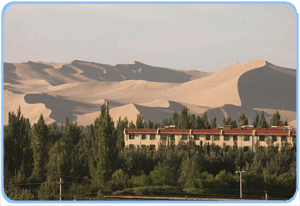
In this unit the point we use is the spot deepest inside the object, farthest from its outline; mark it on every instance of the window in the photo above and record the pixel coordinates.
(294, 139)
(274, 138)
(246, 148)
(216, 137)
(144, 136)
(226, 138)
(196, 137)
(131, 146)
(184, 137)
(207, 137)
(234, 138)
(261, 138)
(152, 147)
(152, 136)
(144, 146)
(131, 136)
(283, 139)
(247, 138)
(172, 138)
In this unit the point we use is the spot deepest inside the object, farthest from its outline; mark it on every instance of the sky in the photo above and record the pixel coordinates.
(189, 37)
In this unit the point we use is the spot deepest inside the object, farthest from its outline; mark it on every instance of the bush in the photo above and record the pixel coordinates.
(119, 179)
(193, 191)
(141, 180)
(127, 191)
(150, 190)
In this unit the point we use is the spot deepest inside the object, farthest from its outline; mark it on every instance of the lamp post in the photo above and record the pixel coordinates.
(241, 193)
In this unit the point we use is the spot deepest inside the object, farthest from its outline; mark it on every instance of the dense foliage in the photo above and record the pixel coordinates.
(93, 162)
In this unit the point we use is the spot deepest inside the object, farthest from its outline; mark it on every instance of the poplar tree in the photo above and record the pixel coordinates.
(256, 121)
(104, 155)
(40, 146)
(243, 120)
(205, 121)
(263, 123)
(139, 121)
(17, 152)
(183, 122)
(214, 122)
(275, 120)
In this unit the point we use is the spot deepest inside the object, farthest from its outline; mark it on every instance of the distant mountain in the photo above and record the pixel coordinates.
(77, 89)
(82, 71)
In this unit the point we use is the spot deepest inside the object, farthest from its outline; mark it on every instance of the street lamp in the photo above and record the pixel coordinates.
(241, 195)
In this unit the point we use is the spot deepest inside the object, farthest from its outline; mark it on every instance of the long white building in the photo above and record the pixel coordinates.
(245, 138)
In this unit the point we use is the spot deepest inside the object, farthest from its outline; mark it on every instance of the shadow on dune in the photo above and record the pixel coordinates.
(153, 114)
(136, 71)
(234, 112)
(266, 87)
(39, 66)
(60, 107)
(9, 73)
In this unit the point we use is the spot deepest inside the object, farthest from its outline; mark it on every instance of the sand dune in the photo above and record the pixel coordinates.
(31, 111)
(77, 89)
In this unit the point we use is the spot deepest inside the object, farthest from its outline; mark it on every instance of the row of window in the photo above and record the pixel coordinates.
(208, 137)
(152, 147)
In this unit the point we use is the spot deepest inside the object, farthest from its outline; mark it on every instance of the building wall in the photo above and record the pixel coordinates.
(241, 142)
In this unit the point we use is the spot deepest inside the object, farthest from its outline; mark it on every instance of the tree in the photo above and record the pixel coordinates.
(243, 120)
(256, 121)
(150, 125)
(104, 155)
(131, 125)
(183, 122)
(17, 151)
(193, 122)
(175, 119)
(230, 122)
(214, 122)
(275, 120)
(263, 123)
(205, 121)
(40, 146)
(139, 121)
(161, 175)
(121, 125)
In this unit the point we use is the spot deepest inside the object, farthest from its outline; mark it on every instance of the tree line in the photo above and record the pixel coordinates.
(93, 162)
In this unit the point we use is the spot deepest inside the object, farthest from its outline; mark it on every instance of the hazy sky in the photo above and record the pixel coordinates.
(201, 37)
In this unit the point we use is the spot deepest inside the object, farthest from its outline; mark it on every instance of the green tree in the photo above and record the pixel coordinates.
(175, 119)
(199, 123)
(104, 155)
(121, 125)
(161, 175)
(131, 125)
(150, 125)
(17, 151)
(205, 121)
(255, 122)
(275, 120)
(40, 146)
(214, 122)
(193, 122)
(243, 120)
(263, 123)
(139, 121)
(183, 121)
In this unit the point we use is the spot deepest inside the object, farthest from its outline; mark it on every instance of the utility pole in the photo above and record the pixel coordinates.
(241, 193)
(60, 186)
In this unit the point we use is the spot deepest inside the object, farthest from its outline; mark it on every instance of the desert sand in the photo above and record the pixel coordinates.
(77, 89)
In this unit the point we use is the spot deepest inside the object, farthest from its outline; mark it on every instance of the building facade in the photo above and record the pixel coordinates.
(245, 138)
